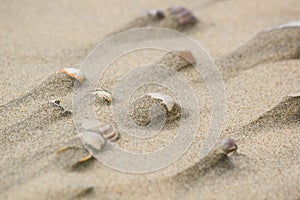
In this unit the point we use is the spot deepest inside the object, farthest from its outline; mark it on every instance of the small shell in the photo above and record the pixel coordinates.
(183, 15)
(177, 59)
(108, 131)
(229, 145)
(155, 14)
(94, 133)
(103, 95)
(141, 113)
(74, 73)
(188, 56)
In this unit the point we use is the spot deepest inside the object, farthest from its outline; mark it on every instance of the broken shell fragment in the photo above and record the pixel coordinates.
(141, 110)
(74, 73)
(103, 95)
(182, 15)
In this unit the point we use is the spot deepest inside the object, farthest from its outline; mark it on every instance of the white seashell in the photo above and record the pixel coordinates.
(103, 95)
(166, 99)
(144, 109)
(286, 25)
(74, 73)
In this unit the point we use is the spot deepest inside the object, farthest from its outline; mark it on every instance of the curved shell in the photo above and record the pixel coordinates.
(74, 73)
(103, 95)
(141, 108)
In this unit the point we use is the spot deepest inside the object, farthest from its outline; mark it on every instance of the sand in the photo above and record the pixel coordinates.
(261, 74)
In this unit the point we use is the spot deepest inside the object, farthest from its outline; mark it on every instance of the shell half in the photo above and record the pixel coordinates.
(74, 73)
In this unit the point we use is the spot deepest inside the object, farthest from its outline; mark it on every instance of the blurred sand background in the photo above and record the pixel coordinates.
(39, 37)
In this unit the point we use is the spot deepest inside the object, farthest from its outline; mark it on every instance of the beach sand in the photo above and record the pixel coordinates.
(260, 72)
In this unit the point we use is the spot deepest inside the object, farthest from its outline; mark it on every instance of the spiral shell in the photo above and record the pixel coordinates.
(140, 108)
(74, 73)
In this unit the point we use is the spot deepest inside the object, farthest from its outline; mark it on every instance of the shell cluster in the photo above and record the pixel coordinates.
(140, 109)
(74, 73)
(182, 15)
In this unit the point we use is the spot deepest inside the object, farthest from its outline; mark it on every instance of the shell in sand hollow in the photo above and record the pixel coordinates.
(103, 95)
(141, 108)
(74, 73)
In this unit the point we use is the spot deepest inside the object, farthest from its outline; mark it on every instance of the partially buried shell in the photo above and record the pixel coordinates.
(140, 110)
(74, 73)
(108, 131)
(177, 59)
(94, 133)
(103, 95)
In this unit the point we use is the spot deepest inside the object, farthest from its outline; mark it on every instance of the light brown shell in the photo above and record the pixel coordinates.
(74, 73)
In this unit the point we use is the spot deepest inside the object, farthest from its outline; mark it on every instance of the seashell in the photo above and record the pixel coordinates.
(140, 109)
(155, 14)
(103, 95)
(96, 132)
(108, 131)
(188, 56)
(74, 73)
(177, 59)
(183, 15)
(229, 145)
